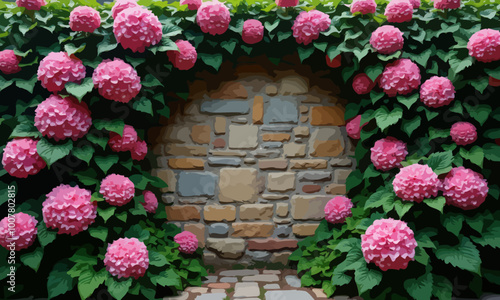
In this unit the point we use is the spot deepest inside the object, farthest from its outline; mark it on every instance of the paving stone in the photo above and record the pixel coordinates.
(314, 176)
(217, 291)
(293, 281)
(281, 127)
(280, 182)
(261, 278)
(200, 134)
(197, 290)
(275, 196)
(220, 125)
(274, 272)
(218, 230)
(319, 293)
(276, 137)
(310, 207)
(210, 279)
(219, 285)
(258, 110)
(186, 163)
(182, 296)
(229, 279)
(294, 150)
(215, 296)
(183, 213)
(327, 116)
(243, 136)
(281, 110)
(250, 212)
(196, 184)
(246, 289)
(272, 286)
(271, 145)
(225, 107)
(273, 164)
(288, 295)
(238, 185)
(233, 273)
(227, 248)
(252, 229)
(218, 213)
(224, 161)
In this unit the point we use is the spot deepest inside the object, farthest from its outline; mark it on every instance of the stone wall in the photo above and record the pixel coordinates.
(252, 161)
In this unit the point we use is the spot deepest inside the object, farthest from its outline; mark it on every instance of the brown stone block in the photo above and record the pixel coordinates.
(186, 163)
(183, 213)
(219, 143)
(327, 148)
(311, 188)
(336, 189)
(309, 163)
(254, 229)
(308, 207)
(273, 164)
(272, 244)
(178, 150)
(302, 230)
(282, 210)
(238, 185)
(200, 134)
(327, 116)
(250, 212)
(220, 125)
(276, 137)
(218, 213)
(230, 90)
(258, 110)
(169, 177)
(198, 230)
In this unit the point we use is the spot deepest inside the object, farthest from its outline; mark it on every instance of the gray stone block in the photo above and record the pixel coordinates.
(193, 184)
(314, 176)
(225, 107)
(218, 230)
(285, 128)
(224, 161)
(288, 295)
(272, 145)
(281, 110)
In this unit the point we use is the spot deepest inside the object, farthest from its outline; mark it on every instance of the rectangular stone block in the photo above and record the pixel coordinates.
(294, 150)
(272, 244)
(276, 137)
(282, 210)
(225, 107)
(186, 163)
(224, 161)
(281, 110)
(314, 176)
(280, 182)
(336, 189)
(169, 177)
(280, 127)
(326, 142)
(327, 116)
(180, 150)
(311, 207)
(340, 175)
(301, 131)
(200, 134)
(183, 213)
(227, 248)
(194, 184)
(219, 213)
(227, 153)
(308, 163)
(220, 125)
(253, 229)
(273, 164)
(198, 230)
(250, 212)
(303, 230)
(243, 136)
(258, 110)
(238, 185)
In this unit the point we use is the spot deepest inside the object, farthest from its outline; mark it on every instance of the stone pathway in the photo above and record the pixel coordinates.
(252, 285)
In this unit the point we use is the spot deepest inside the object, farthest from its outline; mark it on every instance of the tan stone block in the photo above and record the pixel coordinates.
(280, 182)
(220, 125)
(176, 134)
(230, 90)
(200, 134)
(251, 212)
(178, 150)
(293, 85)
(304, 109)
(282, 210)
(340, 175)
(302, 230)
(273, 164)
(258, 110)
(219, 213)
(227, 153)
(271, 90)
(169, 177)
(304, 119)
(294, 150)
(227, 248)
(253, 229)
(238, 185)
(310, 207)
(186, 163)
(183, 213)
(280, 257)
(243, 136)
(198, 230)
(336, 189)
(276, 137)
(312, 99)
(327, 116)
(308, 163)
(301, 131)
(327, 148)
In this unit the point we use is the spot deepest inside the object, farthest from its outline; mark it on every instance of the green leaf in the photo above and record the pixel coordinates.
(492, 133)
(89, 281)
(140, 181)
(85, 153)
(442, 288)
(491, 152)
(99, 232)
(167, 45)
(480, 83)
(27, 84)
(423, 237)
(464, 256)
(408, 101)
(72, 49)
(169, 278)
(115, 125)
(475, 155)
(489, 236)
(270, 27)
(213, 60)
(283, 35)
(341, 279)
(321, 46)
(122, 216)
(6, 83)
(457, 108)
(118, 288)
(435, 133)
(453, 222)
(420, 288)
(80, 90)
(440, 162)
(106, 162)
(87, 177)
(479, 112)
(402, 207)
(45, 236)
(25, 129)
(229, 46)
(366, 279)
(157, 259)
(409, 126)
(51, 152)
(137, 232)
(106, 45)
(59, 282)
(458, 65)
(33, 259)
(380, 198)
(385, 118)
(305, 53)
(389, 57)
(436, 203)
(106, 213)
(374, 71)
(170, 29)
(101, 140)
(144, 105)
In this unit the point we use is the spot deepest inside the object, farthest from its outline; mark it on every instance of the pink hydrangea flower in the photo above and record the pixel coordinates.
(84, 18)
(308, 25)
(150, 202)
(387, 39)
(416, 183)
(400, 77)
(213, 17)
(338, 209)
(363, 6)
(465, 188)
(253, 31)
(140, 150)
(446, 4)
(463, 133)
(21, 159)
(437, 91)
(58, 68)
(287, 3)
(125, 142)
(19, 229)
(116, 80)
(192, 4)
(362, 84)
(335, 62)
(185, 57)
(399, 11)
(136, 28)
(389, 244)
(31, 4)
(69, 209)
(484, 45)
(127, 257)
(121, 5)
(9, 62)
(61, 118)
(117, 190)
(415, 3)
(188, 243)
(388, 153)
(353, 127)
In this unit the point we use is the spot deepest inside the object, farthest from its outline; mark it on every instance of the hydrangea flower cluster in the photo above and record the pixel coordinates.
(192, 4)
(84, 18)
(188, 243)
(399, 11)
(58, 68)
(136, 28)
(437, 91)
(387, 39)
(127, 257)
(287, 3)
(9, 62)
(150, 202)
(121, 5)
(335, 62)
(484, 45)
(117, 190)
(23, 233)
(362, 84)
(416, 183)
(213, 17)
(116, 80)
(463, 133)
(308, 25)
(125, 142)
(185, 57)
(465, 188)
(353, 127)
(415, 3)
(338, 209)
(363, 6)
(390, 244)
(140, 150)
(446, 4)
(69, 209)
(31, 4)
(61, 118)
(400, 77)
(253, 31)
(21, 159)
(388, 153)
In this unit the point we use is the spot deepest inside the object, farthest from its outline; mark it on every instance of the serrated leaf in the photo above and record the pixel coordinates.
(106, 162)
(270, 27)
(89, 281)
(27, 84)
(80, 90)
(106, 45)
(72, 49)
(140, 181)
(489, 236)
(99, 232)
(380, 198)
(53, 152)
(118, 288)
(45, 236)
(156, 259)
(464, 256)
(151, 81)
(402, 207)
(137, 232)
(491, 152)
(382, 57)
(480, 83)
(480, 112)
(25, 129)
(229, 46)
(453, 222)
(436, 203)
(435, 133)
(115, 125)
(442, 288)
(420, 288)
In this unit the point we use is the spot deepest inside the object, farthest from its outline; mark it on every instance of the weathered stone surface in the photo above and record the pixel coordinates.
(229, 279)
(293, 281)
(271, 244)
(326, 142)
(167, 198)
(238, 185)
(169, 177)
(210, 279)
(227, 248)
(314, 176)
(282, 221)
(275, 196)
(193, 200)
(224, 161)
(178, 150)
(308, 207)
(341, 162)
(193, 184)
(273, 164)
(272, 145)
(272, 286)
(294, 150)
(239, 273)
(228, 153)
(225, 107)
(200, 134)
(199, 231)
(186, 163)
(301, 131)
(311, 188)
(308, 163)
(304, 109)
(197, 290)
(280, 257)
(218, 230)
(261, 278)
(282, 210)
(271, 90)
(253, 229)
(336, 189)
(220, 125)
(265, 153)
(311, 99)
(230, 90)
(280, 182)
(289, 295)
(276, 137)
(280, 127)
(258, 110)
(183, 213)
(176, 134)
(281, 110)
(327, 116)
(304, 119)
(293, 85)
(246, 289)
(249, 212)
(219, 143)
(283, 231)
(250, 161)
(243, 136)
(341, 175)
(218, 213)
(181, 296)
(302, 230)
(258, 255)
